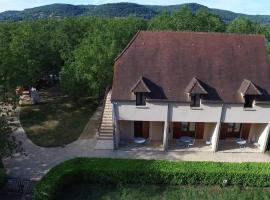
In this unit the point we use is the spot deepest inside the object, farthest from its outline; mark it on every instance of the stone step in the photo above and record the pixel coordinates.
(107, 118)
(106, 122)
(105, 137)
(106, 127)
(102, 130)
(107, 112)
(106, 132)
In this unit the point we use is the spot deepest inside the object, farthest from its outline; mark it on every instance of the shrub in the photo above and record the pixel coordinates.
(124, 171)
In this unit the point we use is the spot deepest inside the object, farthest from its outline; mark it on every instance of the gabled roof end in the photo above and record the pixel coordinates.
(140, 86)
(195, 87)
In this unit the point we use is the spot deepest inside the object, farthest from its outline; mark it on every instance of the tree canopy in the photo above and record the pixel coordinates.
(186, 20)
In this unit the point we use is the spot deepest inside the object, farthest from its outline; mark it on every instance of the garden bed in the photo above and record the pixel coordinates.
(150, 172)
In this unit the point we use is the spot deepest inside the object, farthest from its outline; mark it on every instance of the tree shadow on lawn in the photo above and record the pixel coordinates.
(51, 124)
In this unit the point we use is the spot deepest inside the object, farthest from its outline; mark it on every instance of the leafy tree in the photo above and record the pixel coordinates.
(208, 22)
(244, 25)
(94, 58)
(184, 20)
(6, 60)
(161, 22)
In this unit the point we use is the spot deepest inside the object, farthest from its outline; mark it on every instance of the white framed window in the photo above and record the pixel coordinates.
(140, 99)
(249, 101)
(195, 100)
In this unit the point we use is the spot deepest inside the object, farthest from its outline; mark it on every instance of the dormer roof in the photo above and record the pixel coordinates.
(140, 86)
(248, 88)
(195, 87)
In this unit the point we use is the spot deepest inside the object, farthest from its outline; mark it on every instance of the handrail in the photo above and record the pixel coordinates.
(108, 88)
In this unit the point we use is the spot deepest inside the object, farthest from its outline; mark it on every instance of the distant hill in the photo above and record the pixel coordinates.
(116, 10)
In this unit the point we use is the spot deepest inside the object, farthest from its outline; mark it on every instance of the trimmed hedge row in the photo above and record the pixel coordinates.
(114, 171)
(2, 174)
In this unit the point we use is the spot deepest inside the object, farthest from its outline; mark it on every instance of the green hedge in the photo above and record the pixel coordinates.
(114, 171)
(2, 174)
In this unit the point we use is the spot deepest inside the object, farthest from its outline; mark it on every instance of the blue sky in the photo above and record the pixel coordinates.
(243, 6)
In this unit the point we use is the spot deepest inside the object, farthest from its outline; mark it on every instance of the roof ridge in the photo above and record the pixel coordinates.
(208, 33)
(193, 83)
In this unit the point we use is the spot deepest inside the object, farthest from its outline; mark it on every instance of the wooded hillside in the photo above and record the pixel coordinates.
(118, 10)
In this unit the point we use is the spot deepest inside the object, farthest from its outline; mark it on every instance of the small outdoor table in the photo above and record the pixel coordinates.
(186, 140)
(139, 140)
(241, 142)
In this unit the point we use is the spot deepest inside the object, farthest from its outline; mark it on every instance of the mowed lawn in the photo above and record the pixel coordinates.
(151, 192)
(58, 122)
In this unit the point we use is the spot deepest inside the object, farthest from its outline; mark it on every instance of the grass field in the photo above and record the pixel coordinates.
(149, 192)
(56, 122)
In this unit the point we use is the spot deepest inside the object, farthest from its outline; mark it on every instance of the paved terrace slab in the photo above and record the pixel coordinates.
(38, 161)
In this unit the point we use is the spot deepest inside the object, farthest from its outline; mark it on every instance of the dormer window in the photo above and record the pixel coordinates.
(195, 100)
(249, 91)
(140, 89)
(195, 90)
(249, 101)
(140, 99)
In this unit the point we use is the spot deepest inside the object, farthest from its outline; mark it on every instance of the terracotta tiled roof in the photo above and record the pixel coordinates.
(169, 60)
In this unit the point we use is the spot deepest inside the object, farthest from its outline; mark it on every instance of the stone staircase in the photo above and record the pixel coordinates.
(106, 137)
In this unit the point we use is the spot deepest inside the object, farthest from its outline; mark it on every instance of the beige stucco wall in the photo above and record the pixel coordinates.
(208, 130)
(126, 129)
(232, 113)
(150, 112)
(237, 114)
(255, 132)
(206, 113)
(156, 131)
(264, 137)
